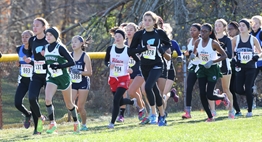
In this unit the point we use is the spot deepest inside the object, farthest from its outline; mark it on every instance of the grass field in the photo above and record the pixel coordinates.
(196, 130)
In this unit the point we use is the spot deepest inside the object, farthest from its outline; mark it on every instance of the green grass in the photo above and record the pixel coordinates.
(195, 129)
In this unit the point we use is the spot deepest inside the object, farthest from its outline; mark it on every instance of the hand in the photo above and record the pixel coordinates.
(192, 56)
(179, 59)
(55, 66)
(76, 71)
(43, 53)
(112, 66)
(27, 59)
(255, 58)
(208, 64)
(129, 70)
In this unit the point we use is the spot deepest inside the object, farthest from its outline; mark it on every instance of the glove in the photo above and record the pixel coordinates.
(208, 64)
(76, 71)
(179, 59)
(161, 50)
(54, 66)
(44, 66)
(255, 58)
(192, 56)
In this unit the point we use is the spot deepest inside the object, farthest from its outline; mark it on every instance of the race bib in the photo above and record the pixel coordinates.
(55, 73)
(118, 69)
(76, 78)
(38, 67)
(245, 57)
(131, 62)
(150, 53)
(204, 58)
(26, 70)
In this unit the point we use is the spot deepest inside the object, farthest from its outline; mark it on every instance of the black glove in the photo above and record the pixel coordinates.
(54, 66)
(44, 66)
(161, 50)
(255, 58)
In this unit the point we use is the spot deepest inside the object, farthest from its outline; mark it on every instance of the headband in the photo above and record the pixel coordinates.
(121, 32)
(53, 32)
(246, 22)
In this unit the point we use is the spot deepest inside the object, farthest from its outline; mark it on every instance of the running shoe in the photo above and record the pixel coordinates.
(176, 97)
(214, 113)
(142, 114)
(40, 124)
(84, 128)
(36, 133)
(226, 101)
(76, 127)
(162, 121)
(27, 121)
(210, 119)
(145, 121)
(249, 114)
(237, 114)
(52, 128)
(153, 119)
(231, 114)
(120, 119)
(111, 126)
(186, 115)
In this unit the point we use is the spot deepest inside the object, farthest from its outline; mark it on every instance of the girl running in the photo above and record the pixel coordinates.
(58, 60)
(80, 76)
(35, 47)
(245, 46)
(192, 76)
(232, 29)
(25, 72)
(225, 68)
(117, 57)
(150, 40)
(209, 72)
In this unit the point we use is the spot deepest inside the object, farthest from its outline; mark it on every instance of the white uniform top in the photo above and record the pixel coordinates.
(120, 60)
(206, 53)
(190, 46)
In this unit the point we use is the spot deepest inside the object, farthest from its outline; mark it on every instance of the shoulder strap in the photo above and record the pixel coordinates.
(252, 42)
(237, 42)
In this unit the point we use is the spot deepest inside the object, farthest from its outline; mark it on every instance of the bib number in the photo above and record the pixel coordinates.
(245, 57)
(38, 67)
(55, 73)
(26, 70)
(150, 53)
(204, 58)
(76, 78)
(118, 69)
(131, 62)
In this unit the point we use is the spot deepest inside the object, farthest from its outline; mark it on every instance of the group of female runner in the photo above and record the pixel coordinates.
(140, 65)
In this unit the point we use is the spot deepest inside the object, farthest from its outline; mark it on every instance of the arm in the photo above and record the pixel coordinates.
(258, 47)
(107, 57)
(88, 66)
(229, 48)
(70, 61)
(134, 48)
(167, 54)
(220, 50)
(176, 47)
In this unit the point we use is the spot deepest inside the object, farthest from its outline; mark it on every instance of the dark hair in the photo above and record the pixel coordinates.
(160, 23)
(197, 25)
(234, 24)
(210, 28)
(121, 32)
(85, 42)
(113, 30)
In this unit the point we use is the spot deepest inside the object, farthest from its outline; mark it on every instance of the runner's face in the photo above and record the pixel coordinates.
(194, 32)
(130, 31)
(76, 43)
(50, 38)
(148, 22)
(242, 27)
(255, 25)
(219, 27)
(25, 37)
(232, 31)
(38, 27)
(119, 39)
(205, 32)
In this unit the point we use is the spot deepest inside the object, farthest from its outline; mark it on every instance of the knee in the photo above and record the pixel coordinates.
(48, 101)
(70, 106)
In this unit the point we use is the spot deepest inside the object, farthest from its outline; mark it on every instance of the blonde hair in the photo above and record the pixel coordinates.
(168, 29)
(153, 15)
(134, 25)
(259, 18)
(224, 23)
